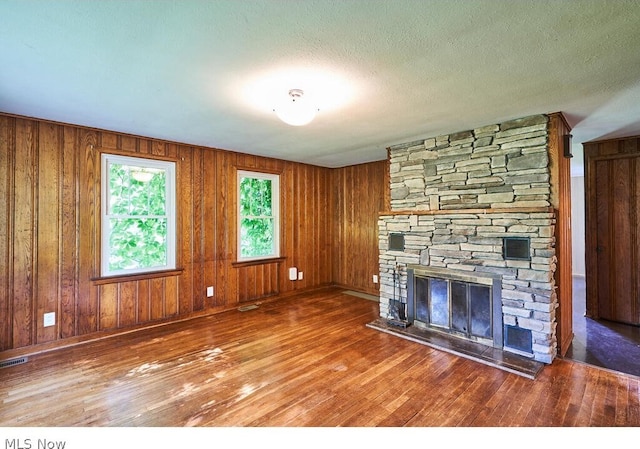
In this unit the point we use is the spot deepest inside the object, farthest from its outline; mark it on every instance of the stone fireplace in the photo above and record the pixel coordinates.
(473, 209)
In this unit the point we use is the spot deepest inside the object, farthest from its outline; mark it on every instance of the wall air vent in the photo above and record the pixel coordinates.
(13, 362)
(516, 248)
(396, 242)
(247, 308)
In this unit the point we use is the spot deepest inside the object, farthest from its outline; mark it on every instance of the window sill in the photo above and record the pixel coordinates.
(136, 277)
(248, 263)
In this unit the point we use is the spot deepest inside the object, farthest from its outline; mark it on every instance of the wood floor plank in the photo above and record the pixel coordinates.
(563, 391)
(577, 381)
(550, 403)
(506, 414)
(304, 361)
(630, 406)
(498, 405)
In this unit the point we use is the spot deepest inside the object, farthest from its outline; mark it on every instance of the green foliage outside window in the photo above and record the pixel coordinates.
(256, 217)
(137, 218)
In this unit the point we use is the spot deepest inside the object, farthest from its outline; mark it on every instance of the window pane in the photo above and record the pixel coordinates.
(255, 200)
(256, 237)
(245, 196)
(137, 243)
(156, 192)
(262, 198)
(136, 191)
(258, 209)
(138, 215)
(118, 190)
(255, 197)
(138, 196)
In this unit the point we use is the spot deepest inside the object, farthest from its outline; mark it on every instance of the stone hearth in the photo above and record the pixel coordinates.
(503, 360)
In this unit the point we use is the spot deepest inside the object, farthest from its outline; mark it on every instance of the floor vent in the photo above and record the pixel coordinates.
(246, 308)
(362, 295)
(13, 362)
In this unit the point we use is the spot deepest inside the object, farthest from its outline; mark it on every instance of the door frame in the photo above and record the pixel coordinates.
(560, 170)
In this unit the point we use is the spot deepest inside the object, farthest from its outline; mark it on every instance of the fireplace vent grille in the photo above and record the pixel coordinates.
(518, 338)
(516, 248)
(396, 242)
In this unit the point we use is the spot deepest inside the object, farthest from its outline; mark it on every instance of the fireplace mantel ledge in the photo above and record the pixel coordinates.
(515, 210)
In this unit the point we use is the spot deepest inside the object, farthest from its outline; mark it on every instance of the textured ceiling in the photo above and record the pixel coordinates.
(383, 72)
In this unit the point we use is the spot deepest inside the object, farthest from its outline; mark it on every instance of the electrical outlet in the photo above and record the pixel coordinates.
(49, 319)
(293, 273)
(375, 278)
(209, 292)
(300, 275)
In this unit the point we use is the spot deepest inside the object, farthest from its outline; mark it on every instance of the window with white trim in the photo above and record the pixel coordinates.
(258, 215)
(138, 215)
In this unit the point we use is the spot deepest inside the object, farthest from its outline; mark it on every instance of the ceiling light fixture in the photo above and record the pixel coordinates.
(297, 111)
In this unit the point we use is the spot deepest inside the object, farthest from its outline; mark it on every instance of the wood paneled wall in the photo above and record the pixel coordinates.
(560, 168)
(360, 192)
(49, 233)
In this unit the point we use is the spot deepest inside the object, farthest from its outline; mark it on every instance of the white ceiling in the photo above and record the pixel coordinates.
(202, 72)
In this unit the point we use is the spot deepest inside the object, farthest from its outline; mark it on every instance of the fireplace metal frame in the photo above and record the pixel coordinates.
(489, 279)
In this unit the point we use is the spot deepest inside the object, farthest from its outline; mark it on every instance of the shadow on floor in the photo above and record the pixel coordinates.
(602, 343)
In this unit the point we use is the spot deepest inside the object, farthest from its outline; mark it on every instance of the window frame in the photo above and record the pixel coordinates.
(275, 209)
(107, 159)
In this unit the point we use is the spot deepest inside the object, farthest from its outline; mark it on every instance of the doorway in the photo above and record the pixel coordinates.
(612, 206)
(606, 215)
(605, 344)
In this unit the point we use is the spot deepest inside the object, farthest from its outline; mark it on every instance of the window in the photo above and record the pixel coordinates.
(138, 215)
(258, 215)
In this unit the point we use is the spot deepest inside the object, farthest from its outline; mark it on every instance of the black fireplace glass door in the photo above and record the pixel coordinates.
(439, 302)
(421, 294)
(480, 301)
(459, 307)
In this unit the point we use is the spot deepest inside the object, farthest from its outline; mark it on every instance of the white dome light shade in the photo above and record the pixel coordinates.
(296, 111)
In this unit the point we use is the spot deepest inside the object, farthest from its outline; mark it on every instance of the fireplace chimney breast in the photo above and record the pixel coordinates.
(460, 202)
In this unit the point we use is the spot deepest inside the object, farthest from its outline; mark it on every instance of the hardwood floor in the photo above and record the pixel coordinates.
(302, 361)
